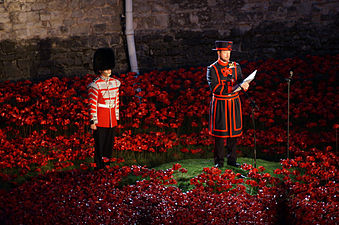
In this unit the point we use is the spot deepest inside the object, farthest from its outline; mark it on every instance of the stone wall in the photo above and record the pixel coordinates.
(181, 33)
(40, 38)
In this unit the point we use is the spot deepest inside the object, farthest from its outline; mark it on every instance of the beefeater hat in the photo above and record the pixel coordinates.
(103, 59)
(223, 46)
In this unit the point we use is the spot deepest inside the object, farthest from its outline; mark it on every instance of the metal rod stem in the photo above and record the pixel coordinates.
(288, 113)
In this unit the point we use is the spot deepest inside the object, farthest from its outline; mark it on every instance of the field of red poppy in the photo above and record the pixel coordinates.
(45, 142)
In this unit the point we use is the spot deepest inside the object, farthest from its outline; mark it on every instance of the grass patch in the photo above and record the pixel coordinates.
(195, 167)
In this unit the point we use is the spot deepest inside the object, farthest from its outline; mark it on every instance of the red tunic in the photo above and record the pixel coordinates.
(103, 96)
(225, 109)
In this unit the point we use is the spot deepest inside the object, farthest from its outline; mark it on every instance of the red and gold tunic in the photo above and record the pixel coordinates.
(103, 96)
(225, 108)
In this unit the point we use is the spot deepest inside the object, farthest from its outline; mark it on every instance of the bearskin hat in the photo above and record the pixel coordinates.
(103, 59)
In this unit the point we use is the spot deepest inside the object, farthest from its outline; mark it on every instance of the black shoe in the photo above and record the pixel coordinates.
(218, 165)
(235, 164)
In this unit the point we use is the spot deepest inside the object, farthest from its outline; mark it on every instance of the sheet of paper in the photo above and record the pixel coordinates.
(251, 77)
(248, 79)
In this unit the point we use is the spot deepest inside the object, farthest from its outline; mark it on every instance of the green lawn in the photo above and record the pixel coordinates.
(195, 167)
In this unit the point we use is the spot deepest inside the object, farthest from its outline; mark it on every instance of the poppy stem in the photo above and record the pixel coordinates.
(255, 140)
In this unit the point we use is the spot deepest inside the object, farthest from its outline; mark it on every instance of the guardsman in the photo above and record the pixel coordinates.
(225, 120)
(103, 94)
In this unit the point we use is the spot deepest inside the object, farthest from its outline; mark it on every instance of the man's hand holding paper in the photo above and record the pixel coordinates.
(245, 85)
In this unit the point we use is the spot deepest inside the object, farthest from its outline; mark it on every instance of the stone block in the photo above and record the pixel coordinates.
(79, 29)
(83, 4)
(63, 60)
(11, 69)
(145, 23)
(20, 33)
(77, 14)
(113, 11)
(89, 19)
(57, 5)
(3, 10)
(98, 3)
(114, 3)
(99, 28)
(14, 6)
(180, 20)
(141, 9)
(38, 6)
(10, 57)
(68, 22)
(21, 17)
(80, 43)
(78, 61)
(97, 41)
(40, 32)
(4, 17)
(59, 15)
(43, 72)
(44, 16)
(74, 4)
(20, 26)
(25, 17)
(115, 22)
(93, 12)
(159, 7)
(110, 28)
(161, 21)
(46, 24)
(25, 7)
(6, 30)
(24, 64)
(14, 17)
(7, 46)
(55, 23)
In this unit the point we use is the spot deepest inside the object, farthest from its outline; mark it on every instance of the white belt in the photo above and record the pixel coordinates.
(106, 106)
